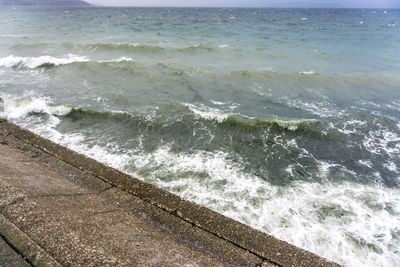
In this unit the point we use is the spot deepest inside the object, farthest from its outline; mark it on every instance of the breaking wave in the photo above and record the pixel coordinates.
(47, 62)
(226, 120)
(22, 107)
(39, 62)
(16, 108)
(364, 216)
(241, 121)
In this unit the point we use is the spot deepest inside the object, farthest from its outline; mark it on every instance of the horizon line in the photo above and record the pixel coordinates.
(130, 6)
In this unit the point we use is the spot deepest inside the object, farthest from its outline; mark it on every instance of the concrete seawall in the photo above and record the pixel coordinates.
(58, 207)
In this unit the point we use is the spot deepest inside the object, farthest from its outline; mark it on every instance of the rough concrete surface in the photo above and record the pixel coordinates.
(9, 257)
(60, 207)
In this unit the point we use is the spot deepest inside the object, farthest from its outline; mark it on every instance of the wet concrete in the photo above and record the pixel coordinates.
(75, 211)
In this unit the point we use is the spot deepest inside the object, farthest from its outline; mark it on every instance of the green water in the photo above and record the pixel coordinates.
(287, 120)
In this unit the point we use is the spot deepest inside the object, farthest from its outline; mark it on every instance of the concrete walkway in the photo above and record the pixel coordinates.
(9, 257)
(60, 208)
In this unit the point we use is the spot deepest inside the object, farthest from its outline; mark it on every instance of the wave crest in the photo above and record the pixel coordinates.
(22, 107)
(242, 121)
(39, 62)
(197, 48)
(48, 62)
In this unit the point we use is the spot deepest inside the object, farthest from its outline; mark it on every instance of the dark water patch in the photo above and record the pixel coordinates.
(327, 211)
(246, 123)
(343, 88)
(361, 242)
(46, 65)
(197, 49)
(279, 151)
(79, 113)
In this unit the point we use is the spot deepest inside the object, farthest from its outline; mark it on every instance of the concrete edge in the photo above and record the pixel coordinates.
(25, 246)
(263, 245)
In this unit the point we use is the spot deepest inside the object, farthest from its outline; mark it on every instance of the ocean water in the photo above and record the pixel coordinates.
(287, 120)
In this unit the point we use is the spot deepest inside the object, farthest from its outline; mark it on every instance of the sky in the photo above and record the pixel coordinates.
(252, 3)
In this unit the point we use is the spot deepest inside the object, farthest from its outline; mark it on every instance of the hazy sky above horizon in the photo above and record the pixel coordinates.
(252, 3)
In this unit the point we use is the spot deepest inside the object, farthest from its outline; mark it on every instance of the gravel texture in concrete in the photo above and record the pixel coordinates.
(9, 257)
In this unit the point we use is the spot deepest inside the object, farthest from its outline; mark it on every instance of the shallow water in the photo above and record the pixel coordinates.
(287, 120)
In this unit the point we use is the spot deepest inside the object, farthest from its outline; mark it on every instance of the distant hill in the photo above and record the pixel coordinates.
(43, 3)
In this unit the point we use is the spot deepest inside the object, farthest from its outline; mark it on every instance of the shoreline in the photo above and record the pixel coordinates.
(238, 243)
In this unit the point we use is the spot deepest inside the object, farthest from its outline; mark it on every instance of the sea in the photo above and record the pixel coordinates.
(287, 120)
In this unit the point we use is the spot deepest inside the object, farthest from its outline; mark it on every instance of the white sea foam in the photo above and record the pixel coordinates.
(353, 224)
(350, 223)
(112, 155)
(116, 60)
(391, 166)
(21, 107)
(11, 35)
(383, 141)
(307, 72)
(394, 106)
(350, 127)
(208, 113)
(356, 122)
(229, 105)
(367, 163)
(261, 91)
(131, 44)
(218, 103)
(223, 46)
(18, 110)
(34, 62)
(304, 18)
(323, 108)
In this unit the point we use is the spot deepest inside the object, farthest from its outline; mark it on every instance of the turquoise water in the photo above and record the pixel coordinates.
(287, 120)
